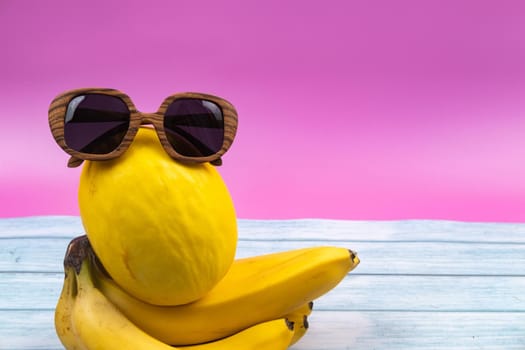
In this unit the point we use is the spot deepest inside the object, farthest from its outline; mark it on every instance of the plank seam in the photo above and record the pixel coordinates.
(350, 274)
(513, 311)
(401, 241)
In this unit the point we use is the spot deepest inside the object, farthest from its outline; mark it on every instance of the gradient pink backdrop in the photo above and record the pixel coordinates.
(348, 109)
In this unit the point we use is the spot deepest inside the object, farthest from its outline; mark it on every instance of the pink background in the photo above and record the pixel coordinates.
(348, 109)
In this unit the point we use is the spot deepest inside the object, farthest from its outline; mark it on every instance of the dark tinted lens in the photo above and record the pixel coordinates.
(194, 127)
(95, 123)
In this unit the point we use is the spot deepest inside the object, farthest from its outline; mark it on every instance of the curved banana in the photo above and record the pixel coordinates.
(63, 326)
(254, 290)
(299, 317)
(269, 335)
(101, 326)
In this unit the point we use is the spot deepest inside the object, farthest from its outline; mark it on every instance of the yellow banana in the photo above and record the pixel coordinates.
(269, 335)
(254, 290)
(299, 318)
(101, 326)
(63, 326)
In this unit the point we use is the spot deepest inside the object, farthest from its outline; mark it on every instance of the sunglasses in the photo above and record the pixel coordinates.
(100, 124)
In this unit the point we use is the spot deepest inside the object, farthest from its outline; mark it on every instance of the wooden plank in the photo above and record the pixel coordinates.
(433, 258)
(33, 254)
(28, 330)
(406, 230)
(370, 293)
(332, 330)
(309, 229)
(408, 258)
(41, 226)
(426, 293)
(419, 330)
(27, 291)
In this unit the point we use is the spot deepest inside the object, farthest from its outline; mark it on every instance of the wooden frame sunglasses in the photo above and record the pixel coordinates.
(192, 127)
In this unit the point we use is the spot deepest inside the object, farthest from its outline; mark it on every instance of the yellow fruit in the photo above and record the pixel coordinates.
(165, 231)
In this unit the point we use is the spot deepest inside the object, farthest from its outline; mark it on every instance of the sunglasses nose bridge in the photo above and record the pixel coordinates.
(149, 118)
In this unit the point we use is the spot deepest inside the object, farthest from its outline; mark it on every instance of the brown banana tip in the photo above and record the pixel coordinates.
(77, 251)
(311, 305)
(353, 256)
(305, 322)
(289, 324)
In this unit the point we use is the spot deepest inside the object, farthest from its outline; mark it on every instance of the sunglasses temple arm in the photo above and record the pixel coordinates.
(74, 162)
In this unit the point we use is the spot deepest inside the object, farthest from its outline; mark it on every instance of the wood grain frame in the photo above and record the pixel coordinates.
(58, 108)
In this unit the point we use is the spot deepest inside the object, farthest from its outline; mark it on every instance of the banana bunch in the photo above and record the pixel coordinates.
(85, 319)
(262, 303)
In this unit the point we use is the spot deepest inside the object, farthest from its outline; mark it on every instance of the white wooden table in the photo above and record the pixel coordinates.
(420, 284)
